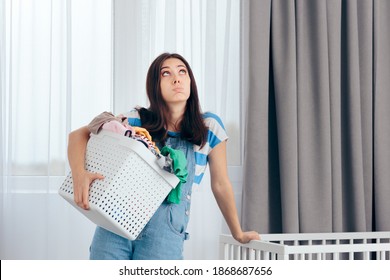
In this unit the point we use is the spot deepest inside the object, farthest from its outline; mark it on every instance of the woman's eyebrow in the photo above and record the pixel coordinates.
(180, 65)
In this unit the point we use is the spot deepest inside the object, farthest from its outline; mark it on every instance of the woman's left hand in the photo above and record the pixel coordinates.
(246, 236)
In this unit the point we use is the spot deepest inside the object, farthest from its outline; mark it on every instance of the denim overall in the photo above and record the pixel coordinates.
(163, 236)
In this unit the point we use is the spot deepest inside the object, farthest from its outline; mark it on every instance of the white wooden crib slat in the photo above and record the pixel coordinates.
(225, 251)
(323, 255)
(351, 253)
(365, 253)
(257, 255)
(379, 254)
(295, 256)
(237, 253)
(231, 252)
(244, 253)
(310, 242)
(251, 254)
(336, 255)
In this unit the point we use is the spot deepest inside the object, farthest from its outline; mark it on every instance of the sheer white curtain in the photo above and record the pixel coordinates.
(61, 63)
(206, 33)
(2, 100)
(56, 72)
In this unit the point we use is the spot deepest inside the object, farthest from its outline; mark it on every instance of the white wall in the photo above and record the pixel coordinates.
(42, 226)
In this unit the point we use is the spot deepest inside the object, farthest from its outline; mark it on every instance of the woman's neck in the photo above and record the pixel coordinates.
(175, 116)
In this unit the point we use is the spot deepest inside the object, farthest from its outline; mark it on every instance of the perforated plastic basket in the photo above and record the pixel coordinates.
(133, 188)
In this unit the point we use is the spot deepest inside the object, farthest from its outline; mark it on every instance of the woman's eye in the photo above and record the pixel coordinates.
(165, 73)
(182, 71)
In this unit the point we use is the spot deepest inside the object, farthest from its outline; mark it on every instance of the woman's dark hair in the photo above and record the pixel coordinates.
(154, 119)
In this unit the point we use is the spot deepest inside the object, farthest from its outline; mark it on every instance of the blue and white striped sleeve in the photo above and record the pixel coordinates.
(133, 118)
(215, 135)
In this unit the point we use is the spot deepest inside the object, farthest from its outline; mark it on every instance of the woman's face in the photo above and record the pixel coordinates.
(175, 82)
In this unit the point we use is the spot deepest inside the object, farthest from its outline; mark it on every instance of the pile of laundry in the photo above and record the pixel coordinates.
(170, 160)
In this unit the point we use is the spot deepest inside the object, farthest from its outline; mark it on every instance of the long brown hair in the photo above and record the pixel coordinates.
(154, 119)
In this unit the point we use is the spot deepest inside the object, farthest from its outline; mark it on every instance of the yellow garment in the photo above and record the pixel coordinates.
(143, 132)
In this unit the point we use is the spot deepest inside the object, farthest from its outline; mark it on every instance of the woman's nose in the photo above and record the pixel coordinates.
(176, 79)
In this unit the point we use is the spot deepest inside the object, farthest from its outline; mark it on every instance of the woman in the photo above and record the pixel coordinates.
(173, 119)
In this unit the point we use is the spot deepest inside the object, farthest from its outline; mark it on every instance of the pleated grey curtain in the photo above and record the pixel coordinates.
(316, 76)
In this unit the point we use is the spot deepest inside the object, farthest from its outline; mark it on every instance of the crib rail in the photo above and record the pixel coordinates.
(309, 246)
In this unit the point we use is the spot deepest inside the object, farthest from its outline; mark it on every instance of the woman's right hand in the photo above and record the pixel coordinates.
(82, 179)
(81, 184)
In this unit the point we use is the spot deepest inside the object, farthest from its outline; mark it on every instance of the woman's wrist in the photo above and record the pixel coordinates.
(77, 172)
(238, 235)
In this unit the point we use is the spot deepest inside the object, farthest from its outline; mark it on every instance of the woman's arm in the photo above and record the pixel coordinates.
(82, 179)
(223, 192)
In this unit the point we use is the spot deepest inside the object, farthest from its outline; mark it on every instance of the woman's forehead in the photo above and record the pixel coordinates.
(173, 63)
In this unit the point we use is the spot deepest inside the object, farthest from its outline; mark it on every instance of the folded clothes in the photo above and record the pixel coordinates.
(97, 123)
(117, 127)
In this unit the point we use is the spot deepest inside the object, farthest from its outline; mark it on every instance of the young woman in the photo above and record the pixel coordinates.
(174, 119)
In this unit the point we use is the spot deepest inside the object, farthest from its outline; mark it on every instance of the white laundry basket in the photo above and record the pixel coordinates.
(133, 188)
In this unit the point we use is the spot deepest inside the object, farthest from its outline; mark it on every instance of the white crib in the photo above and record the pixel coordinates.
(309, 246)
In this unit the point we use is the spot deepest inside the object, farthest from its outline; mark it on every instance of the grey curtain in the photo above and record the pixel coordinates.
(317, 78)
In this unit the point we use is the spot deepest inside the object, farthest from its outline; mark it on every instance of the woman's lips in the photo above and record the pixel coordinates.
(178, 89)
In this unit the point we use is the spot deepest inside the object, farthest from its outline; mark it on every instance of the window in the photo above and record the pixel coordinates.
(62, 62)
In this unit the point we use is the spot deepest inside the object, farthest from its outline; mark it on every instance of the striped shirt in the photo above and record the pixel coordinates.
(215, 135)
